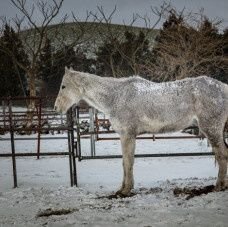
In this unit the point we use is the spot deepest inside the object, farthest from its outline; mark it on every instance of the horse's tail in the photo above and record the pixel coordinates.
(225, 133)
(225, 130)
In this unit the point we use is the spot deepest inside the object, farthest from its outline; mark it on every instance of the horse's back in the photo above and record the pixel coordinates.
(154, 107)
(170, 106)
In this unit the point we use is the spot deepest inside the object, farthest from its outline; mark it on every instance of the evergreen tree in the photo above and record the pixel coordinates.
(123, 58)
(159, 52)
(12, 78)
(225, 37)
(108, 58)
(45, 62)
(53, 71)
(222, 72)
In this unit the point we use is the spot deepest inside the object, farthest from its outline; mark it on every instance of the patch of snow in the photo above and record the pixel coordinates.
(148, 208)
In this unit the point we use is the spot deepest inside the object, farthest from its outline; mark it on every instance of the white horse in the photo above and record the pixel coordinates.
(136, 106)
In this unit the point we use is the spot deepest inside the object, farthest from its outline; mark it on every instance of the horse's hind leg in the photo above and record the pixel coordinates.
(215, 137)
(221, 156)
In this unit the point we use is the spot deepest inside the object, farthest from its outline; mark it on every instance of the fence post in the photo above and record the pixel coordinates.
(72, 147)
(91, 129)
(61, 118)
(69, 148)
(153, 137)
(78, 135)
(97, 125)
(12, 143)
(39, 128)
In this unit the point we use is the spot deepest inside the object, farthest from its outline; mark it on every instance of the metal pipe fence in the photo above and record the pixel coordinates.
(8, 126)
(69, 123)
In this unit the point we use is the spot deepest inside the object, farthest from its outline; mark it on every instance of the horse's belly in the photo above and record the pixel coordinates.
(170, 125)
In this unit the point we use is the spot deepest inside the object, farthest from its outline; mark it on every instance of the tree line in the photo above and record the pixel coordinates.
(35, 65)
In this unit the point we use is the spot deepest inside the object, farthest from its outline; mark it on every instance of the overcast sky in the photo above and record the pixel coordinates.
(125, 8)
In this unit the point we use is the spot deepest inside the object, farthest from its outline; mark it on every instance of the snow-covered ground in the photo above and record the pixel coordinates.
(44, 184)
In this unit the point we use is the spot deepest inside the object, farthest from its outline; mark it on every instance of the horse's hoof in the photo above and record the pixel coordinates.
(117, 195)
(120, 194)
(222, 186)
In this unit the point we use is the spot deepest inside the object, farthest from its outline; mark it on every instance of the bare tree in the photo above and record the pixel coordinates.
(35, 27)
(186, 49)
(35, 37)
(115, 36)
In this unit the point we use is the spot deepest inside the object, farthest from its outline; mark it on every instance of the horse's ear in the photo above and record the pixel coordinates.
(71, 68)
(66, 69)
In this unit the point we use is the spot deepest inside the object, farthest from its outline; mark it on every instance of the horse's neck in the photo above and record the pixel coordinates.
(99, 93)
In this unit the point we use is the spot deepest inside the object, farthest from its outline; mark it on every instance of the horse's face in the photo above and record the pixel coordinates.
(69, 93)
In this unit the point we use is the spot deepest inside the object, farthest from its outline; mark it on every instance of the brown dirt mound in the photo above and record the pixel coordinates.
(50, 211)
(192, 192)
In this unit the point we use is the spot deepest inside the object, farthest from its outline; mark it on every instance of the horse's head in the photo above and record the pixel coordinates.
(70, 91)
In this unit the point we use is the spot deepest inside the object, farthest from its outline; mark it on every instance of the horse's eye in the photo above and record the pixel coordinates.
(63, 87)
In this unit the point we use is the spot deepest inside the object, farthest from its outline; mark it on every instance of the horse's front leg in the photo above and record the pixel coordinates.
(128, 151)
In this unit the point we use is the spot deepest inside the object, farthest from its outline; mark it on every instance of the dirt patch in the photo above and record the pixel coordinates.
(50, 211)
(141, 191)
(188, 192)
(192, 192)
(116, 196)
(147, 191)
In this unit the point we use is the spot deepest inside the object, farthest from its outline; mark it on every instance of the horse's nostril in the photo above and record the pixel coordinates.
(55, 108)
